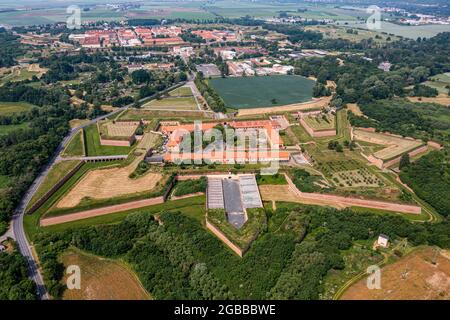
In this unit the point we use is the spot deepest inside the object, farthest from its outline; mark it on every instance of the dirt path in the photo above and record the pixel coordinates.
(101, 211)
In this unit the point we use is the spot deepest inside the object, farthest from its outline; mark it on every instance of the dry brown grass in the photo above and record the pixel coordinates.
(102, 279)
(285, 194)
(413, 277)
(114, 182)
(441, 99)
(353, 107)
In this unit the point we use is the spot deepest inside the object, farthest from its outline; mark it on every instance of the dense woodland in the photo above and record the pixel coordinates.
(429, 177)
(14, 284)
(10, 48)
(179, 259)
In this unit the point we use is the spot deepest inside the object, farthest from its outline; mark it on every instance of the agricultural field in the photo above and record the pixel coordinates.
(109, 183)
(102, 279)
(183, 91)
(354, 35)
(412, 32)
(237, 9)
(396, 146)
(320, 122)
(421, 275)
(9, 108)
(267, 91)
(58, 171)
(94, 148)
(75, 146)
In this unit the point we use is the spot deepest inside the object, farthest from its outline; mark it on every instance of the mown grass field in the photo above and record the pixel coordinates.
(75, 146)
(102, 279)
(263, 91)
(94, 148)
(9, 108)
(411, 32)
(59, 170)
(193, 207)
(183, 116)
(172, 103)
(181, 91)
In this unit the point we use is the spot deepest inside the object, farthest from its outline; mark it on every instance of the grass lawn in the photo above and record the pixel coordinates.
(102, 279)
(263, 91)
(8, 108)
(193, 207)
(94, 148)
(440, 82)
(59, 170)
(75, 146)
(181, 91)
(5, 129)
(148, 114)
(271, 179)
(173, 103)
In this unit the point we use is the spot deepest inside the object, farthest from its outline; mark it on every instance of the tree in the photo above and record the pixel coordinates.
(404, 161)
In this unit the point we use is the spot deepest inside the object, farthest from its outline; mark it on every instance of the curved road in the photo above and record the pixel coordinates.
(17, 220)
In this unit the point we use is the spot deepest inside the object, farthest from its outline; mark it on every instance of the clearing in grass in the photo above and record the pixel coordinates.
(270, 91)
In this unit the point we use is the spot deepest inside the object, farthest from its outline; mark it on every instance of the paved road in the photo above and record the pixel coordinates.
(17, 221)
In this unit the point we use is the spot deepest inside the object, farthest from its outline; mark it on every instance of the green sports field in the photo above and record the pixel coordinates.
(263, 91)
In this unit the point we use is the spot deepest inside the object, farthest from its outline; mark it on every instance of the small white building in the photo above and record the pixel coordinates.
(383, 241)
